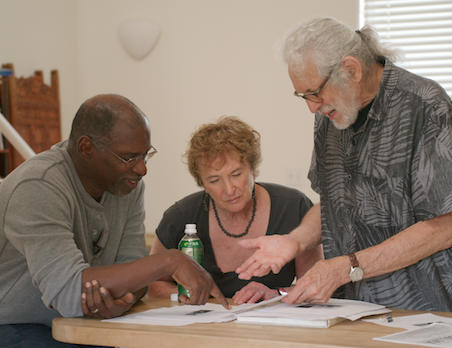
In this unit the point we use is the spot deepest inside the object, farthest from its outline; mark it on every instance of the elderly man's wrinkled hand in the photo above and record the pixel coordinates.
(272, 253)
(318, 283)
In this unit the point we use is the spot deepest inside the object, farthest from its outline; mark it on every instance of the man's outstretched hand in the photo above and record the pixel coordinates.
(272, 253)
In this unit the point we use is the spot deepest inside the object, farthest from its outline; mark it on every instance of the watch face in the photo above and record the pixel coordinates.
(356, 274)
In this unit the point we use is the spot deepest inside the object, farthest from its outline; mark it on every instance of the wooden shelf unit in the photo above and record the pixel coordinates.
(33, 109)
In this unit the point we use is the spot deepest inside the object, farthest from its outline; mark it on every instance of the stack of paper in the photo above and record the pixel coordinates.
(179, 315)
(311, 315)
(272, 312)
(433, 335)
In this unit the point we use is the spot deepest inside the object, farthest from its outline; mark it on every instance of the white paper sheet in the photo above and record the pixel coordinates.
(410, 322)
(349, 309)
(186, 315)
(147, 321)
(216, 313)
(179, 315)
(433, 335)
(252, 306)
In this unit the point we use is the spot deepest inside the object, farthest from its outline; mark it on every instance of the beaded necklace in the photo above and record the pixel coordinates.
(249, 223)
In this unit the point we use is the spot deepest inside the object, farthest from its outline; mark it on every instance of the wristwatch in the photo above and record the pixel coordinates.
(356, 271)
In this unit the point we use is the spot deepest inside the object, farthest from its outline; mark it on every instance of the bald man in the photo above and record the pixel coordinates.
(72, 235)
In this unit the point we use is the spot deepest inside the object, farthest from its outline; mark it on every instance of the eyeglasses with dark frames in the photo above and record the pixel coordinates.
(314, 97)
(131, 162)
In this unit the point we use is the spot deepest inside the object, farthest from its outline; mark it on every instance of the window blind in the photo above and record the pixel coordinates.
(422, 29)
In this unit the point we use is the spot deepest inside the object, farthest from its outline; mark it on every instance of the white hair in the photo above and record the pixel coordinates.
(326, 42)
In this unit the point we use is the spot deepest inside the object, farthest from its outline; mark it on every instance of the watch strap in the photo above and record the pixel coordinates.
(353, 260)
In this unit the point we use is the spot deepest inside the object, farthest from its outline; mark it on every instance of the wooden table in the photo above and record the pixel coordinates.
(357, 334)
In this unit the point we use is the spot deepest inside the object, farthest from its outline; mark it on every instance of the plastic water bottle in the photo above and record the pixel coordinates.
(191, 245)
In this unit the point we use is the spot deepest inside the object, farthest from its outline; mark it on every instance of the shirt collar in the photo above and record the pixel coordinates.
(385, 92)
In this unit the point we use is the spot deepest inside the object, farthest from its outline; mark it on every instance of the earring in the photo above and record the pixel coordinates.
(205, 203)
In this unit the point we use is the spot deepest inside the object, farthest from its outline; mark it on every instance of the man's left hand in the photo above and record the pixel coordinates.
(319, 282)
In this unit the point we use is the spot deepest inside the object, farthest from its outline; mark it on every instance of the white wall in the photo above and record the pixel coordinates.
(42, 35)
(213, 58)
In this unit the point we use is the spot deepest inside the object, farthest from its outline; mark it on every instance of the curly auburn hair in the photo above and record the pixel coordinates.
(229, 136)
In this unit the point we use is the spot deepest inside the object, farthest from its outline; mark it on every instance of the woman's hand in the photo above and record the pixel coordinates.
(254, 292)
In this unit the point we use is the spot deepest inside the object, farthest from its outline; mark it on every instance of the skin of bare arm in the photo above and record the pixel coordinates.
(97, 302)
(120, 281)
(402, 250)
(255, 291)
(165, 286)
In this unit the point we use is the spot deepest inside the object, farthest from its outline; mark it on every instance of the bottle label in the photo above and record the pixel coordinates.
(194, 249)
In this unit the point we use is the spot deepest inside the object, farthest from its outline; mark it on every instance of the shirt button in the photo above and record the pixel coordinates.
(347, 211)
(349, 177)
(95, 232)
(98, 217)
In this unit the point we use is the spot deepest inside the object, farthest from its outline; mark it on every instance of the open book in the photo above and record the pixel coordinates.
(310, 315)
(271, 312)
(275, 320)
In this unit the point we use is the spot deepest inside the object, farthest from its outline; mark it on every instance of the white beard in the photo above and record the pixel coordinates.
(347, 106)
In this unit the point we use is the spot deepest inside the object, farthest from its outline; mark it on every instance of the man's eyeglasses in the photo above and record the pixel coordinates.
(131, 162)
(314, 95)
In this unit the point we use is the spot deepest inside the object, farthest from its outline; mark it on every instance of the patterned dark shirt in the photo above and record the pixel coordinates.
(394, 171)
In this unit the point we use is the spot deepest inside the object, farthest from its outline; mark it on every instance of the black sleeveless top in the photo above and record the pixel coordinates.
(288, 207)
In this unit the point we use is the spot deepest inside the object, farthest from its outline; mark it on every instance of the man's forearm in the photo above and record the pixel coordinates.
(308, 234)
(408, 246)
(132, 276)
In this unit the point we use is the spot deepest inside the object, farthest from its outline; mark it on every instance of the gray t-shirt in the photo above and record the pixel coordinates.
(392, 172)
(51, 229)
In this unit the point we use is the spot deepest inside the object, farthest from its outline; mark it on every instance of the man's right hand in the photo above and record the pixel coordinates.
(272, 253)
(196, 280)
(97, 301)
(120, 281)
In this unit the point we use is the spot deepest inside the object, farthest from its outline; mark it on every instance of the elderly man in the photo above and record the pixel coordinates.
(72, 228)
(382, 164)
